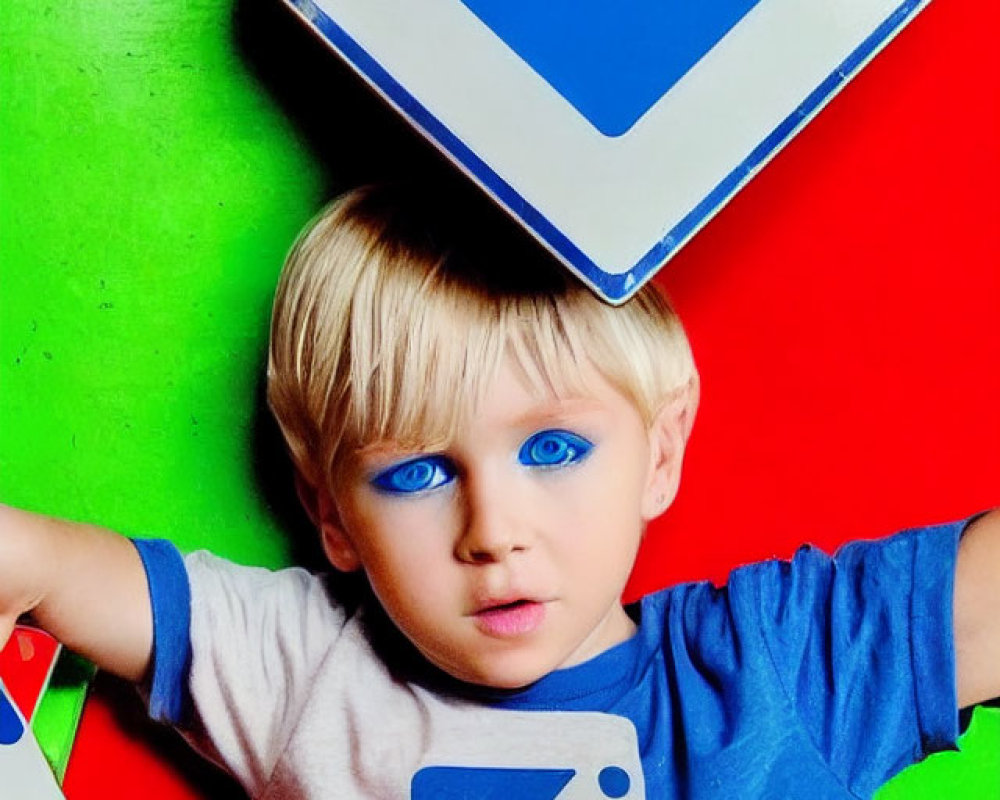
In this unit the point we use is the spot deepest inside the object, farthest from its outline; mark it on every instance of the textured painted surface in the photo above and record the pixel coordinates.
(150, 189)
(157, 158)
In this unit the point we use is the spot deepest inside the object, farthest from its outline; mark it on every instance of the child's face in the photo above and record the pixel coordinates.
(504, 556)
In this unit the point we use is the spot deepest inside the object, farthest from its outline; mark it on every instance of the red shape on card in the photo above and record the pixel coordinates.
(26, 664)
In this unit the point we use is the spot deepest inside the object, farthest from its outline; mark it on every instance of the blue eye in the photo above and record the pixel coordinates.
(553, 448)
(416, 475)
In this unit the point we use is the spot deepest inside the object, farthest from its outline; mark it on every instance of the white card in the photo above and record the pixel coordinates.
(24, 772)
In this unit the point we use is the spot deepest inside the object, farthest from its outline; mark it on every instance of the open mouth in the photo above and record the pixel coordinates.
(515, 618)
(503, 606)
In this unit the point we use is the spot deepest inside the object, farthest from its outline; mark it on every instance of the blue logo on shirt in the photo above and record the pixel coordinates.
(611, 61)
(496, 783)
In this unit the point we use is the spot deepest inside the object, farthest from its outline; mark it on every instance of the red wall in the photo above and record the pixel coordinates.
(845, 314)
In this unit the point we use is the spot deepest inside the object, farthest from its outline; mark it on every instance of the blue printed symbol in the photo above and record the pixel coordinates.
(11, 728)
(611, 61)
(614, 782)
(485, 783)
(496, 783)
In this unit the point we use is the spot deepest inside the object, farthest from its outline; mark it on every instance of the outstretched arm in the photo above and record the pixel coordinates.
(977, 612)
(84, 585)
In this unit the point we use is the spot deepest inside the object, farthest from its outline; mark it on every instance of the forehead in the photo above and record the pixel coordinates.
(519, 393)
(514, 399)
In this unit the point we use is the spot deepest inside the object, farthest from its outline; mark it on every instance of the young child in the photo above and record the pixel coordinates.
(485, 442)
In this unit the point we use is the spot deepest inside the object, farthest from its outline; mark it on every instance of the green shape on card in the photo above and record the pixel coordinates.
(57, 716)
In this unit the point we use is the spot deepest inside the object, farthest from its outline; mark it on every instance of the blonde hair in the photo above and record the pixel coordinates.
(387, 326)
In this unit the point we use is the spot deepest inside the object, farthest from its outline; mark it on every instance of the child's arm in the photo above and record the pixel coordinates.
(84, 585)
(977, 612)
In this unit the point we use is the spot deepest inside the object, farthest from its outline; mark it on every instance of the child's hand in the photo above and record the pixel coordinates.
(84, 585)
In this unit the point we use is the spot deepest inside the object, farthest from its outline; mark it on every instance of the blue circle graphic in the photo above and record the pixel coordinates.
(614, 782)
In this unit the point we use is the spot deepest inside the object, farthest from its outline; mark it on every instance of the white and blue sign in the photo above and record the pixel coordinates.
(611, 131)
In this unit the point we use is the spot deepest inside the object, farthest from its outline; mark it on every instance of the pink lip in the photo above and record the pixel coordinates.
(511, 619)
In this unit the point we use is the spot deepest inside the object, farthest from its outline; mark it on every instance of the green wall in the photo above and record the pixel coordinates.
(150, 186)
(156, 159)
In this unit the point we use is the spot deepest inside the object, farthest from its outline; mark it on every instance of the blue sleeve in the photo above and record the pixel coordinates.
(170, 599)
(862, 645)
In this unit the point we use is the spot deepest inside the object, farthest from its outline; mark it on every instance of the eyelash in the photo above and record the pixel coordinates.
(548, 450)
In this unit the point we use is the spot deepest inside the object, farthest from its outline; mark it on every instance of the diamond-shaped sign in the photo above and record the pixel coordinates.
(611, 131)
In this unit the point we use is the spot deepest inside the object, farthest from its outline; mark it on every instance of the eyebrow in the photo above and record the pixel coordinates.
(558, 408)
(549, 408)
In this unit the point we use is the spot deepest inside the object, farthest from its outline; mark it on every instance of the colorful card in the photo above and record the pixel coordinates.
(25, 771)
(48, 684)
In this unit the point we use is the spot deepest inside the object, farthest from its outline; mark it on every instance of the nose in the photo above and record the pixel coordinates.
(490, 530)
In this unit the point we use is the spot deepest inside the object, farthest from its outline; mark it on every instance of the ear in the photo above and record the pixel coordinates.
(323, 513)
(668, 436)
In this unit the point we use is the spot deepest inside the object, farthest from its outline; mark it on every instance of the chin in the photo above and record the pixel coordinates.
(508, 683)
(507, 677)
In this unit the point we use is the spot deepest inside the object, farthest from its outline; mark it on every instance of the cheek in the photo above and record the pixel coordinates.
(384, 527)
(408, 590)
(605, 518)
(404, 549)
(615, 493)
